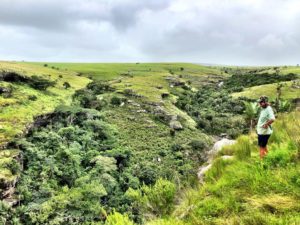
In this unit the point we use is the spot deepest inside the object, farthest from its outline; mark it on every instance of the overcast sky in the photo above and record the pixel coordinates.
(245, 32)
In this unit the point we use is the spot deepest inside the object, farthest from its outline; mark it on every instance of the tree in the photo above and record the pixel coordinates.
(66, 85)
(278, 95)
(251, 110)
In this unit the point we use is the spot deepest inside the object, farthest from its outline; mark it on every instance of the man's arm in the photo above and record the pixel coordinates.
(268, 123)
(271, 118)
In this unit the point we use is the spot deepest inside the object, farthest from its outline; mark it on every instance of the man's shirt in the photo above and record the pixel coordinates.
(265, 115)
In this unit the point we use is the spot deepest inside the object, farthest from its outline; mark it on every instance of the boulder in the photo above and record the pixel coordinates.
(176, 125)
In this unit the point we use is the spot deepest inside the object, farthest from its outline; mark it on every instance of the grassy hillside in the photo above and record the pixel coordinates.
(289, 91)
(107, 71)
(245, 190)
(132, 116)
(18, 110)
(21, 103)
(131, 141)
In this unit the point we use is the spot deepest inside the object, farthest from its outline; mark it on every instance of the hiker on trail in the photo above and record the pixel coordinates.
(264, 128)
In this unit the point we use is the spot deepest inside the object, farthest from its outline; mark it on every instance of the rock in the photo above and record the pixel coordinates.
(220, 144)
(176, 125)
(155, 103)
(223, 135)
(136, 104)
(215, 149)
(141, 111)
(226, 157)
(220, 84)
(175, 81)
(12, 201)
(201, 172)
(130, 92)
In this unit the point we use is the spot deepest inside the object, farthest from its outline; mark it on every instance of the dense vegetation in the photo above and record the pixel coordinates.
(241, 80)
(127, 150)
(214, 110)
(36, 82)
(85, 171)
(82, 175)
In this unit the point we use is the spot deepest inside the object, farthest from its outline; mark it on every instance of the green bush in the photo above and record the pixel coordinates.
(198, 145)
(116, 218)
(115, 100)
(66, 85)
(157, 199)
(32, 98)
(210, 207)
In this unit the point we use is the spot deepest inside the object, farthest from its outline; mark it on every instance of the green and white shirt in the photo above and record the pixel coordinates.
(265, 115)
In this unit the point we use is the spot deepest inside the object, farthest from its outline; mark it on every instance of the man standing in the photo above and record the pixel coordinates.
(264, 128)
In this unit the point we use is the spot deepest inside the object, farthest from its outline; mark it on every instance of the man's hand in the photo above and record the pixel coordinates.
(268, 123)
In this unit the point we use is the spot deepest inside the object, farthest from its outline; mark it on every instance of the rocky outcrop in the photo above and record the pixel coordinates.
(174, 81)
(211, 154)
(175, 124)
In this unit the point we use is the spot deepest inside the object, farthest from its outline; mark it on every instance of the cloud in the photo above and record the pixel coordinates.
(62, 14)
(231, 32)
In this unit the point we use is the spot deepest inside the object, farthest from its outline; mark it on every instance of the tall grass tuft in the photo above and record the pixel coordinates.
(243, 148)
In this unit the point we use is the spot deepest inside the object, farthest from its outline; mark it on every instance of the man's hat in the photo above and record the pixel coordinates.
(262, 99)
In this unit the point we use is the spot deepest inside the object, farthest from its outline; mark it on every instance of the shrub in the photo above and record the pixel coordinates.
(198, 145)
(157, 199)
(32, 98)
(210, 207)
(148, 173)
(40, 83)
(99, 87)
(116, 218)
(116, 100)
(176, 148)
(37, 82)
(66, 85)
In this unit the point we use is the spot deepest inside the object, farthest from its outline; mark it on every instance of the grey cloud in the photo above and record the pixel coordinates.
(215, 31)
(62, 14)
(226, 35)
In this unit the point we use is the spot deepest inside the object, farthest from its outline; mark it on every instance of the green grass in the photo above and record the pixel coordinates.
(18, 111)
(108, 71)
(288, 92)
(284, 70)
